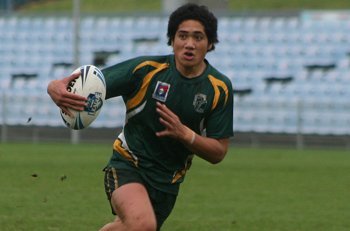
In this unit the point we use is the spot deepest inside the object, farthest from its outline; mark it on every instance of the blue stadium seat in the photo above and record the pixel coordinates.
(250, 50)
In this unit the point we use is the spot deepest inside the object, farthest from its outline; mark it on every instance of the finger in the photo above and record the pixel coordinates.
(166, 132)
(74, 98)
(66, 111)
(162, 133)
(74, 75)
(70, 78)
(162, 107)
(161, 112)
(165, 123)
(75, 107)
(165, 111)
(73, 104)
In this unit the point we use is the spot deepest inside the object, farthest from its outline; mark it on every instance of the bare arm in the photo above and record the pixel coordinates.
(57, 89)
(212, 150)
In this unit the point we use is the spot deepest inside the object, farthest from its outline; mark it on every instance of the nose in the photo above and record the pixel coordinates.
(190, 43)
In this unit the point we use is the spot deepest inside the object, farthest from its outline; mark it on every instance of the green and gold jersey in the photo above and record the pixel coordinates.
(204, 104)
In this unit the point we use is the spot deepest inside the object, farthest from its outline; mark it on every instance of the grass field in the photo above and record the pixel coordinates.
(94, 6)
(60, 187)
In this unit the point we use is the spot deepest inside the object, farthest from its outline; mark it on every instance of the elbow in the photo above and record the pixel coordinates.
(220, 152)
(216, 152)
(218, 158)
(214, 162)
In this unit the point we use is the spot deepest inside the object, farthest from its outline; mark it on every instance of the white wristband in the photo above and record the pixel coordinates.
(193, 137)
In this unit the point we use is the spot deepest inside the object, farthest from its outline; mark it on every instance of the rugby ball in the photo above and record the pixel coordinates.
(91, 84)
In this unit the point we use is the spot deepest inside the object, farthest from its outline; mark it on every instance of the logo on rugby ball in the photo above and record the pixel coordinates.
(94, 103)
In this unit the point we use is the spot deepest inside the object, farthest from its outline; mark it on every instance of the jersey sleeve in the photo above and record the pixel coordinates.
(119, 78)
(219, 124)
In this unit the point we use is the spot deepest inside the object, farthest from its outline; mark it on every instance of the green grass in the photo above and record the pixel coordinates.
(93, 6)
(251, 190)
(122, 6)
(46, 202)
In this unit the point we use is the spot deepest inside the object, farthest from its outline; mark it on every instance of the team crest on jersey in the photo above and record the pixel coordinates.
(161, 91)
(200, 102)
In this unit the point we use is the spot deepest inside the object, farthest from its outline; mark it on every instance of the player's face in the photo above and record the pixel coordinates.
(190, 46)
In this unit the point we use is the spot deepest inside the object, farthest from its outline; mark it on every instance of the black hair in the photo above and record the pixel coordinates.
(195, 12)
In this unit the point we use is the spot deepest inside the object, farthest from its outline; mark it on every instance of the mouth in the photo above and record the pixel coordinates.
(188, 56)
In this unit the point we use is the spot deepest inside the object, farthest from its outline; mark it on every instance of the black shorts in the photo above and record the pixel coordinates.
(162, 202)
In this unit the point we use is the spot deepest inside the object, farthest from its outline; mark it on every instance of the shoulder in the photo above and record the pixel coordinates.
(151, 62)
(155, 58)
(221, 85)
(217, 78)
(144, 63)
(137, 63)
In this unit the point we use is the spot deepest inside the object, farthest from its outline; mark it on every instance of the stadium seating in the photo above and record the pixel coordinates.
(289, 75)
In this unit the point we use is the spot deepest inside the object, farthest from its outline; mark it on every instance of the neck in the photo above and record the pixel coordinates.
(193, 71)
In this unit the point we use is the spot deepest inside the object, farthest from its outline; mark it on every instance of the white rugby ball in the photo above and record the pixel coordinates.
(91, 84)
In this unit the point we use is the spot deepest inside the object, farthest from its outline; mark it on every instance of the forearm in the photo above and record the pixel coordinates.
(209, 149)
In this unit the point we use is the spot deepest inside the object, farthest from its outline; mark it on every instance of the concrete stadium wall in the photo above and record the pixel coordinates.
(37, 134)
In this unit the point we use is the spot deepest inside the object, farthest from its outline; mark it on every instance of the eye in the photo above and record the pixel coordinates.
(198, 37)
(182, 36)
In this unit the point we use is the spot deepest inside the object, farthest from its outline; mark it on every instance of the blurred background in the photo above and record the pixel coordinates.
(289, 62)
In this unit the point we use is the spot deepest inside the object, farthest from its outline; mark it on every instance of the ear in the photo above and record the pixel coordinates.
(210, 46)
(172, 45)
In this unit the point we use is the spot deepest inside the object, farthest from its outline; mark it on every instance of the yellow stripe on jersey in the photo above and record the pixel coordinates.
(136, 100)
(118, 146)
(216, 84)
(181, 173)
(148, 63)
